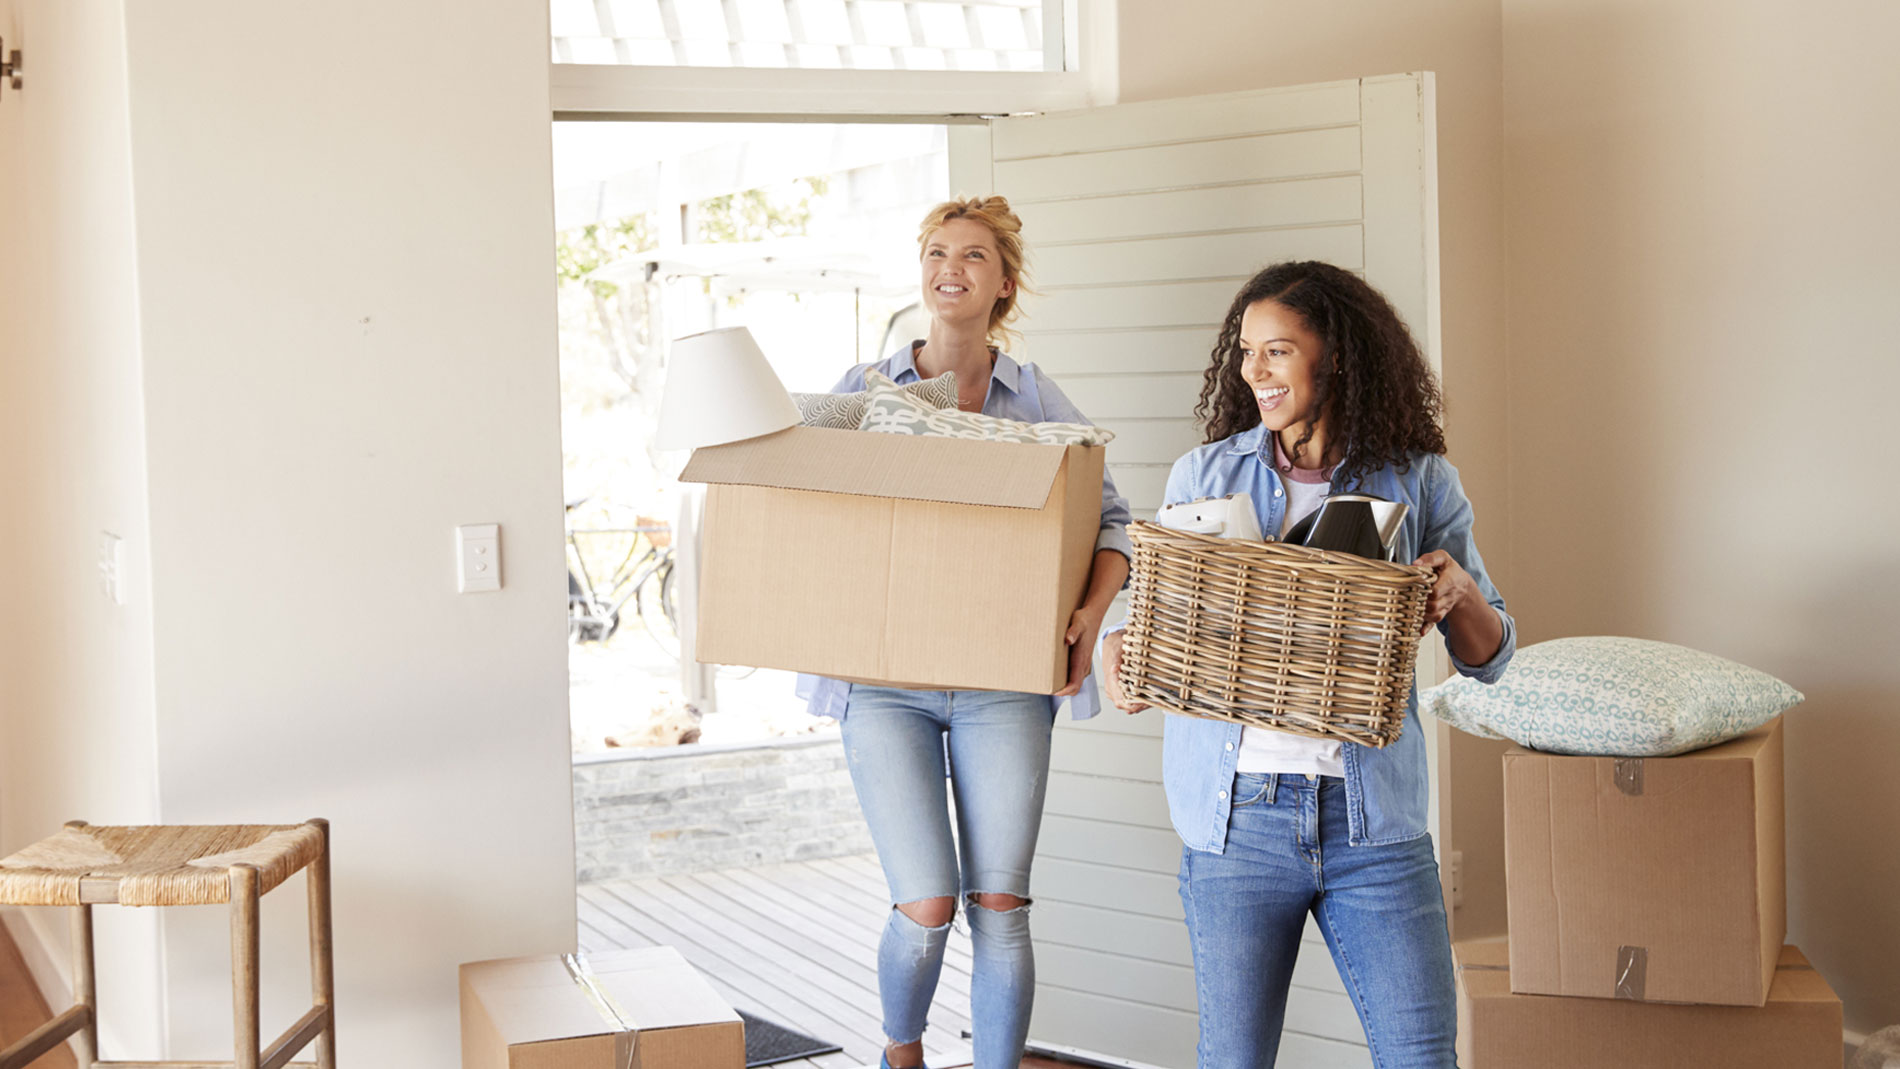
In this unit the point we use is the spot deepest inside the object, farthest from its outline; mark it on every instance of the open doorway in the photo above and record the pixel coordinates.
(1142, 220)
(712, 813)
(801, 232)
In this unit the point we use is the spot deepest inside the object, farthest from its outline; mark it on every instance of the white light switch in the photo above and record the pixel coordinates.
(112, 567)
(478, 558)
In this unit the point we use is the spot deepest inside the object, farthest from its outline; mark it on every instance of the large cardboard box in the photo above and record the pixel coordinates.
(916, 561)
(1798, 1028)
(627, 1009)
(1659, 879)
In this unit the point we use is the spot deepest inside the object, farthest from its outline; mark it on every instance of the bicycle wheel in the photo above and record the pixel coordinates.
(658, 610)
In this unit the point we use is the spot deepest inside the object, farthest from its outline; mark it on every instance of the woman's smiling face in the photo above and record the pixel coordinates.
(963, 272)
(1280, 359)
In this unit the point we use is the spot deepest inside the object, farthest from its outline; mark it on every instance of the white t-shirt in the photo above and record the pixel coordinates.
(1264, 749)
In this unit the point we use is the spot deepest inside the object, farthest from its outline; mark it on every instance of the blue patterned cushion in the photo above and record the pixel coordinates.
(1615, 697)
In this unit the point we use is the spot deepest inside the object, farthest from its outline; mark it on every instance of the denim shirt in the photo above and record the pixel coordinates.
(1019, 392)
(1385, 788)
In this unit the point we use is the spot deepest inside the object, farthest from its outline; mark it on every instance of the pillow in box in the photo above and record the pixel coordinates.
(1613, 697)
(846, 410)
(891, 411)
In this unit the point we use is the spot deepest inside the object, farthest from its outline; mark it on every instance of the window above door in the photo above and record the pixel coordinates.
(937, 35)
(888, 58)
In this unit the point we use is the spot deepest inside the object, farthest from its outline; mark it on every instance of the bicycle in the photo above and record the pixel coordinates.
(645, 578)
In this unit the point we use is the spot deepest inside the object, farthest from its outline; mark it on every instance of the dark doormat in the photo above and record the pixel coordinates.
(768, 1044)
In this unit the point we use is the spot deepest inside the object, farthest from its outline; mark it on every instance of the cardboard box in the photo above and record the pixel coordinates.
(914, 561)
(1798, 1028)
(1659, 879)
(627, 1009)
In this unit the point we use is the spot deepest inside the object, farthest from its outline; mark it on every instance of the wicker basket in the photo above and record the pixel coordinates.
(1272, 635)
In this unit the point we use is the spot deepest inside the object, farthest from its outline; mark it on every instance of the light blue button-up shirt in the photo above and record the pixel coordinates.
(1385, 788)
(1019, 392)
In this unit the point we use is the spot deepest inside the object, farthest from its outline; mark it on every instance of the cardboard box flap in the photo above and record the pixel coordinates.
(954, 470)
(537, 1000)
(533, 1000)
(654, 988)
(1742, 747)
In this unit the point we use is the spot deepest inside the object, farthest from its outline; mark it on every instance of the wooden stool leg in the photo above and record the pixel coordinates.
(85, 993)
(244, 913)
(85, 987)
(322, 973)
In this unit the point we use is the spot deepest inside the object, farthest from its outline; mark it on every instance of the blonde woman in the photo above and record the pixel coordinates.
(997, 742)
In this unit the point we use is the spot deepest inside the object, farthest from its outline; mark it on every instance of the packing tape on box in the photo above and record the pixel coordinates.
(1629, 775)
(590, 986)
(1632, 970)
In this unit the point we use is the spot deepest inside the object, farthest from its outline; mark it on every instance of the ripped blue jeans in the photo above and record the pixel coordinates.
(997, 742)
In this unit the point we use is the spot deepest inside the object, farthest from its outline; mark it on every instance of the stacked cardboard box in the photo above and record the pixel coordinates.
(1650, 895)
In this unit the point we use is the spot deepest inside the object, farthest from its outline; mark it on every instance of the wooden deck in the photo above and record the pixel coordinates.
(793, 943)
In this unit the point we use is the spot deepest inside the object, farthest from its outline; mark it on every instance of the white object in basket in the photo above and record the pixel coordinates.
(1232, 516)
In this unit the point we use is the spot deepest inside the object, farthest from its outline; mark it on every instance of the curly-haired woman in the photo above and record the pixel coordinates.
(997, 742)
(1316, 388)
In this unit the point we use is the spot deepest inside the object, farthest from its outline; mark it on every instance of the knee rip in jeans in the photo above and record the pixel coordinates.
(929, 913)
(999, 902)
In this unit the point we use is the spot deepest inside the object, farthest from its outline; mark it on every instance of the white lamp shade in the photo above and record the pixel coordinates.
(720, 388)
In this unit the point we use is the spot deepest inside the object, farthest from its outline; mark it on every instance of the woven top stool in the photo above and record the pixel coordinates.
(180, 865)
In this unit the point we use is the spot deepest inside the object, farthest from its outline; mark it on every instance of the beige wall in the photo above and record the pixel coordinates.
(76, 691)
(1181, 49)
(300, 290)
(1703, 263)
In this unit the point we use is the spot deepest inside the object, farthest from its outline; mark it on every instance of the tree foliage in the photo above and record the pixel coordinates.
(758, 214)
(580, 251)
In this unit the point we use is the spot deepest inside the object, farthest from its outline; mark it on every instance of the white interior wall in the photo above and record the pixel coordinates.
(345, 242)
(339, 237)
(76, 697)
(1702, 323)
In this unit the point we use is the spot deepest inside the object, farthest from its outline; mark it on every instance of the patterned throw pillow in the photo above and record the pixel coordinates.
(892, 411)
(1613, 697)
(846, 410)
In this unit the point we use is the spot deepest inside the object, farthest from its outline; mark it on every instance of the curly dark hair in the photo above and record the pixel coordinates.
(1378, 395)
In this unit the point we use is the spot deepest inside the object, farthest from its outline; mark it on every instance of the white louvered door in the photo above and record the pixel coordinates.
(1142, 222)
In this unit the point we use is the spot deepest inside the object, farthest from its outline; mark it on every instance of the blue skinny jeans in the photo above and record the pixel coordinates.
(997, 745)
(1379, 909)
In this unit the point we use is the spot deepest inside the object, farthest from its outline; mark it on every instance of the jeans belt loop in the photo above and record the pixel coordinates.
(1273, 785)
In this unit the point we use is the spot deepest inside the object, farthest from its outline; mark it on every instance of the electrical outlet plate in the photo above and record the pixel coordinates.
(478, 558)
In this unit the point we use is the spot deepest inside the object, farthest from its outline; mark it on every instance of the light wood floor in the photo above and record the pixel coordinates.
(794, 943)
(21, 1007)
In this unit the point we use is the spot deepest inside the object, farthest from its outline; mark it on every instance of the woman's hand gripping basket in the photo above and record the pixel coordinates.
(1274, 635)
